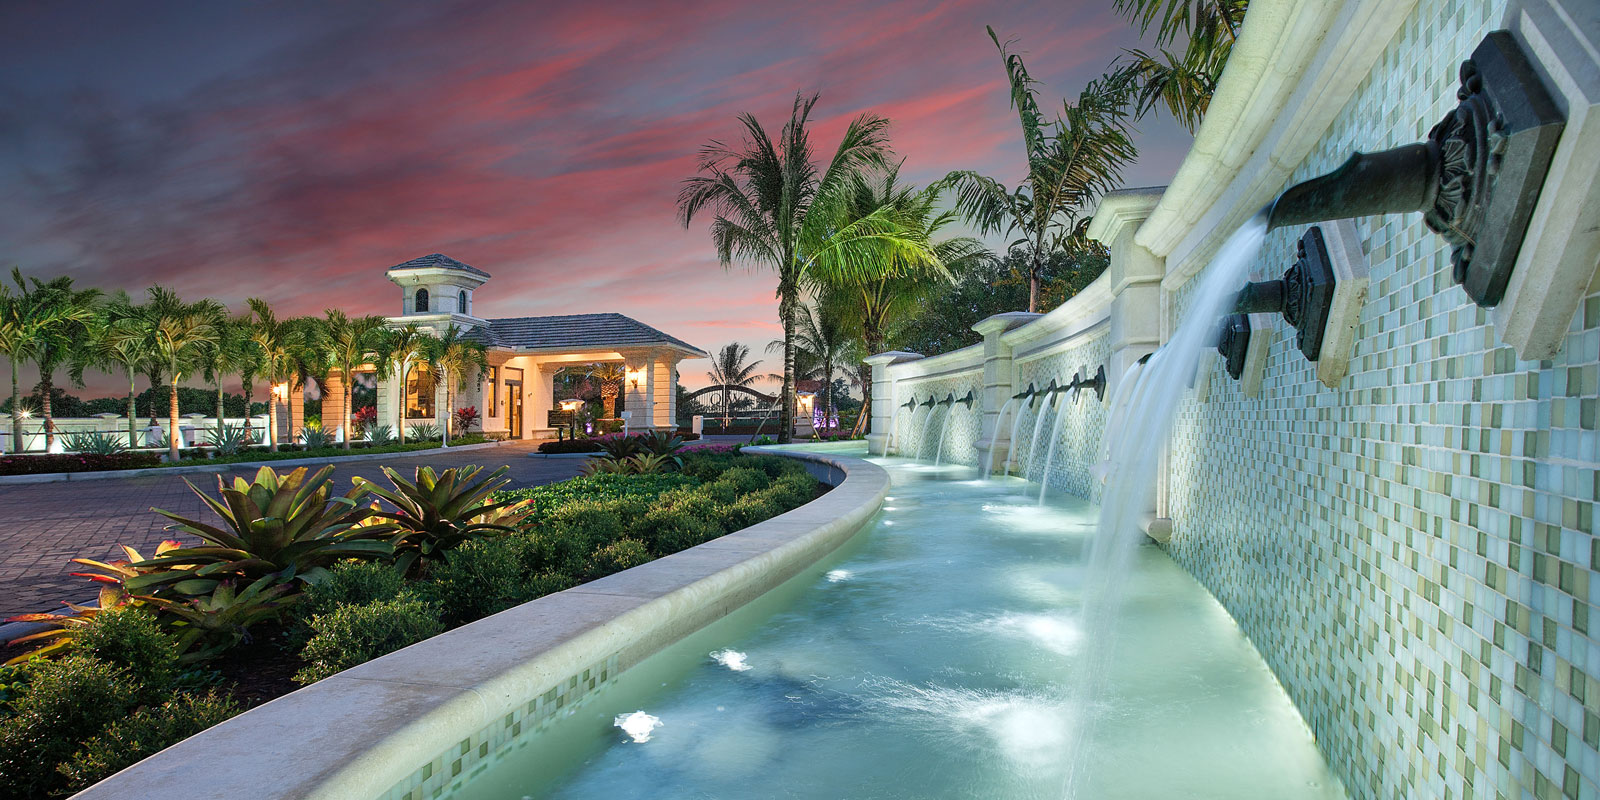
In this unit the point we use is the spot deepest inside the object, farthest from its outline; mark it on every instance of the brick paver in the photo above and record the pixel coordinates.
(43, 526)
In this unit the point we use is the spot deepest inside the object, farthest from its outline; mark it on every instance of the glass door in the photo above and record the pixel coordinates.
(514, 408)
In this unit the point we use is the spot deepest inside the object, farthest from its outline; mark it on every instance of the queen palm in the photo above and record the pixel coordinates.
(283, 348)
(460, 361)
(401, 348)
(61, 344)
(116, 341)
(176, 335)
(1071, 161)
(825, 336)
(732, 367)
(610, 376)
(229, 353)
(772, 206)
(348, 343)
(32, 322)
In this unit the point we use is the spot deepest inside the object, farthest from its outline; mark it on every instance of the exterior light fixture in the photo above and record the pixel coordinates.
(571, 407)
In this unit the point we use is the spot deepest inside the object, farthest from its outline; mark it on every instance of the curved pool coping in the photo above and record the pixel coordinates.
(357, 734)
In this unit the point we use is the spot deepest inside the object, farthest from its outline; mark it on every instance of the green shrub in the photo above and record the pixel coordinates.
(700, 505)
(745, 479)
(601, 487)
(619, 555)
(351, 583)
(751, 509)
(132, 638)
(352, 635)
(478, 579)
(66, 702)
(668, 530)
(143, 734)
(793, 491)
(707, 466)
(590, 520)
(720, 491)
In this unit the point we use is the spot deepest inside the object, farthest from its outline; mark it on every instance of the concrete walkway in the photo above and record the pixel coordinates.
(48, 524)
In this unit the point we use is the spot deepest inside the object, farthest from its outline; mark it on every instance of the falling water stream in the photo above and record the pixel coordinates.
(988, 461)
(1033, 442)
(1050, 454)
(938, 455)
(1131, 471)
(927, 421)
(1016, 423)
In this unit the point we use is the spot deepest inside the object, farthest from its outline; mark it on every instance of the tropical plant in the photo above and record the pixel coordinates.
(62, 343)
(1071, 161)
(619, 446)
(286, 526)
(438, 511)
(61, 629)
(31, 322)
(610, 376)
(361, 421)
(423, 432)
(209, 624)
(824, 337)
(772, 206)
(398, 350)
(459, 359)
(380, 434)
(1181, 82)
(176, 336)
(232, 440)
(316, 438)
(465, 418)
(661, 443)
(285, 351)
(348, 343)
(116, 339)
(100, 443)
(229, 352)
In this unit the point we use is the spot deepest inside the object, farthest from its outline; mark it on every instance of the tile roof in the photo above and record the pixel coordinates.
(575, 331)
(439, 261)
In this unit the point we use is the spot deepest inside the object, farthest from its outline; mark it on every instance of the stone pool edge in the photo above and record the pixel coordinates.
(363, 732)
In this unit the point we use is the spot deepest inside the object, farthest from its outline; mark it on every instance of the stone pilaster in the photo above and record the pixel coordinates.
(999, 380)
(883, 395)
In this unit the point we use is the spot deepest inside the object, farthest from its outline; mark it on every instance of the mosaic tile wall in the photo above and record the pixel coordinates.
(449, 770)
(1414, 552)
(917, 437)
(1076, 425)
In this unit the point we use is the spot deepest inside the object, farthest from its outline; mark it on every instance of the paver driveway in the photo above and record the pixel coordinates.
(44, 525)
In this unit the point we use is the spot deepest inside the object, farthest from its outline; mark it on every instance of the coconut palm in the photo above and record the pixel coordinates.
(177, 335)
(1182, 82)
(400, 349)
(1072, 160)
(33, 322)
(229, 353)
(348, 343)
(733, 367)
(116, 341)
(460, 360)
(772, 206)
(893, 293)
(284, 349)
(610, 376)
(824, 335)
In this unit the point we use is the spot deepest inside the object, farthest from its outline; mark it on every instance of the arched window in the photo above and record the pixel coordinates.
(461, 302)
(420, 305)
(419, 392)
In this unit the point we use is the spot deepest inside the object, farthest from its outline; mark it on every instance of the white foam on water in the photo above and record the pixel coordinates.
(732, 659)
(1026, 729)
(638, 725)
(838, 575)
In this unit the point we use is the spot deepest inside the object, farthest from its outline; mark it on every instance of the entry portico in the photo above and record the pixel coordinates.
(515, 395)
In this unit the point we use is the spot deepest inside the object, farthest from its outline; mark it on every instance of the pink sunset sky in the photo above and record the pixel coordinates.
(292, 151)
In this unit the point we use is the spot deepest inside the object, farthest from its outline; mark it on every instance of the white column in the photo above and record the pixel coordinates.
(883, 395)
(998, 380)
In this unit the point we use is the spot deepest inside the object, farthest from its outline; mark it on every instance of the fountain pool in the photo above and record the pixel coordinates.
(928, 658)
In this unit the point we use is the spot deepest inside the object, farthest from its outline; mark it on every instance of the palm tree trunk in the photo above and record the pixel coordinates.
(1033, 285)
(400, 429)
(172, 420)
(272, 419)
(45, 385)
(349, 392)
(786, 414)
(133, 413)
(16, 411)
(222, 422)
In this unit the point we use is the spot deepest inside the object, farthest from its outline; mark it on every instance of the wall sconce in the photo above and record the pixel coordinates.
(635, 377)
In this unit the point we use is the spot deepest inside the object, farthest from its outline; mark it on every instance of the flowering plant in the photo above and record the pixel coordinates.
(466, 418)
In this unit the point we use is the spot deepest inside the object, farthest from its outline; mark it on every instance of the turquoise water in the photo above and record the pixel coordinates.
(929, 659)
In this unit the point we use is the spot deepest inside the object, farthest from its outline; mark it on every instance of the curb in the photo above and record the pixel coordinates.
(565, 455)
(60, 477)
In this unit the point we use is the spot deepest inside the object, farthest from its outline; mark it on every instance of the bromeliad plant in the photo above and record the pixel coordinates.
(286, 526)
(438, 512)
(207, 625)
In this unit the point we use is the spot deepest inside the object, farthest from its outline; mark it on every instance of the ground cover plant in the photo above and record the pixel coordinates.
(291, 583)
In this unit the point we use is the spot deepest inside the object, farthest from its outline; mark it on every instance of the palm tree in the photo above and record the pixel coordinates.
(116, 340)
(1071, 161)
(610, 377)
(400, 348)
(1182, 82)
(825, 336)
(461, 358)
(771, 206)
(32, 322)
(349, 342)
(732, 367)
(894, 292)
(177, 335)
(60, 344)
(283, 348)
(231, 352)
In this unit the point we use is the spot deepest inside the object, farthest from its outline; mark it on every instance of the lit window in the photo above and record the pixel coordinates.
(494, 390)
(419, 392)
(421, 303)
